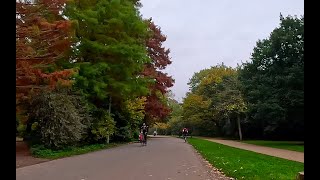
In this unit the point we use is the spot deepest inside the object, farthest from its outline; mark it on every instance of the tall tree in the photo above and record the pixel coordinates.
(228, 102)
(195, 80)
(111, 38)
(196, 114)
(110, 53)
(273, 82)
(155, 107)
(206, 103)
(43, 37)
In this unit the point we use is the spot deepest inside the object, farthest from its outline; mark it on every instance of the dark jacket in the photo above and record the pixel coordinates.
(144, 129)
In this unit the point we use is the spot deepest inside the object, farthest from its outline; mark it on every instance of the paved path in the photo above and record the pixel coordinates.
(282, 153)
(23, 156)
(165, 158)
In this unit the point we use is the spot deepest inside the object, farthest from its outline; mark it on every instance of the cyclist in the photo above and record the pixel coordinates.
(185, 134)
(144, 130)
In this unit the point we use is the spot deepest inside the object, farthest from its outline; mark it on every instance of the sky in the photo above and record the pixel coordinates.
(204, 33)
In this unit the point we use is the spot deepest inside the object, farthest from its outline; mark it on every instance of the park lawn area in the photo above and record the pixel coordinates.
(243, 164)
(289, 145)
(42, 152)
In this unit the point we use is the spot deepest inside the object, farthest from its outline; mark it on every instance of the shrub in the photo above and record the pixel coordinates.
(58, 119)
(124, 133)
(104, 128)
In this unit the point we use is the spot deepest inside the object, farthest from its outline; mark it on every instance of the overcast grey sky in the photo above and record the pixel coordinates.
(204, 33)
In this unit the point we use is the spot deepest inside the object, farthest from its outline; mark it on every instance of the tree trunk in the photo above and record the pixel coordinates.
(239, 127)
(108, 139)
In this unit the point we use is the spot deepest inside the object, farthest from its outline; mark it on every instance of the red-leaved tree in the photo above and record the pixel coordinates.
(156, 109)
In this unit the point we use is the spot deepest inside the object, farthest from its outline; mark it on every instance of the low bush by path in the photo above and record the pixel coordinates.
(42, 152)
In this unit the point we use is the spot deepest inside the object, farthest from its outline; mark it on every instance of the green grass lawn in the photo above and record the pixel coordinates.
(243, 164)
(42, 152)
(294, 146)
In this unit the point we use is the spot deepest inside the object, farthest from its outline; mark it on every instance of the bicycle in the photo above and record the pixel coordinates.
(185, 138)
(143, 139)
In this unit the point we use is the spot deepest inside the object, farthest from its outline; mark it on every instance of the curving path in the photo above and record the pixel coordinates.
(165, 158)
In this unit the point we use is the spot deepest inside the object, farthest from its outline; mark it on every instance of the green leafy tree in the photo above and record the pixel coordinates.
(196, 115)
(111, 37)
(110, 54)
(196, 79)
(214, 103)
(103, 129)
(273, 82)
(174, 119)
(228, 101)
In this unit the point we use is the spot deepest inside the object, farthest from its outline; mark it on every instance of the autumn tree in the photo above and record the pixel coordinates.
(214, 101)
(133, 110)
(197, 116)
(195, 80)
(43, 37)
(156, 107)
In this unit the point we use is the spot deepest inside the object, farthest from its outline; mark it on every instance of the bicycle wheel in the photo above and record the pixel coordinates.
(141, 141)
(145, 139)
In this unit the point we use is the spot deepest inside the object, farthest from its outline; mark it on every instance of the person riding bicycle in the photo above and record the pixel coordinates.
(185, 132)
(144, 130)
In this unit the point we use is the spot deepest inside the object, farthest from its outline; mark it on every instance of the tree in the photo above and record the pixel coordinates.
(155, 107)
(110, 54)
(134, 110)
(104, 128)
(176, 108)
(197, 116)
(273, 82)
(214, 76)
(43, 37)
(161, 128)
(228, 100)
(174, 119)
(196, 79)
(209, 101)
(111, 47)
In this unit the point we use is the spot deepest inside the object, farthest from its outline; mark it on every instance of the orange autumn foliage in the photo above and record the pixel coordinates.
(42, 38)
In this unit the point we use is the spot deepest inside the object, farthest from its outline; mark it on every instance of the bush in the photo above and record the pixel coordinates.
(136, 135)
(20, 126)
(57, 119)
(21, 129)
(124, 134)
(104, 128)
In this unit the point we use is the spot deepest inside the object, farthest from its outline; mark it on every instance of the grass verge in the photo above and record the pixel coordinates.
(288, 145)
(243, 164)
(42, 152)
